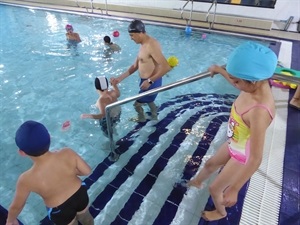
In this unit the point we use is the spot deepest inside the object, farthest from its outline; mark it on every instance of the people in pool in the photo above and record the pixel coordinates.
(151, 65)
(111, 46)
(248, 68)
(106, 97)
(70, 35)
(53, 176)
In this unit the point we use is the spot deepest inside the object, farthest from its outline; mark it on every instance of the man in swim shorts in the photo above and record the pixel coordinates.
(151, 65)
(53, 176)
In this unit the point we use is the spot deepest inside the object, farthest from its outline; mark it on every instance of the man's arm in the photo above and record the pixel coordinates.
(134, 67)
(21, 195)
(162, 64)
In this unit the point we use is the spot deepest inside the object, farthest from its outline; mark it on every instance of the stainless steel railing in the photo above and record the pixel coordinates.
(211, 24)
(114, 156)
(188, 20)
(92, 6)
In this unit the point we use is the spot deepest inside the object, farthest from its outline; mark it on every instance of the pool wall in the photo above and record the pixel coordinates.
(241, 16)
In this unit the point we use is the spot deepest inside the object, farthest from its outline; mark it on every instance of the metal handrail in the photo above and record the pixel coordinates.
(114, 155)
(214, 3)
(187, 80)
(191, 12)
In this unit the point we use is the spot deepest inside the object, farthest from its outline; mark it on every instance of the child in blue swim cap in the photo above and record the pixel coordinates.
(248, 68)
(53, 176)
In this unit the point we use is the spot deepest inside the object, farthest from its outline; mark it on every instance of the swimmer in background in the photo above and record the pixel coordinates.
(111, 46)
(72, 36)
(54, 176)
(106, 97)
(151, 65)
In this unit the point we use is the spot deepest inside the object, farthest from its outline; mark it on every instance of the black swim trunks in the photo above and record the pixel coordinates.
(66, 212)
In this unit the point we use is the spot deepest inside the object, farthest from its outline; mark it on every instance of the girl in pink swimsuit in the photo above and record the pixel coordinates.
(248, 68)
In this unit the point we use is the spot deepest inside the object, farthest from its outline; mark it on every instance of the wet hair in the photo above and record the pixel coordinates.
(107, 39)
(33, 138)
(136, 26)
(101, 83)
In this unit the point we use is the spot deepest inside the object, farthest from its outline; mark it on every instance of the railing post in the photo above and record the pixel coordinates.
(106, 7)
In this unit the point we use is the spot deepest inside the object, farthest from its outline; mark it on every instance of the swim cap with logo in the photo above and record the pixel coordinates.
(136, 26)
(252, 61)
(101, 83)
(33, 138)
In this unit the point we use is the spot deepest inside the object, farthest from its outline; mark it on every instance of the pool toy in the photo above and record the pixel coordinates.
(66, 125)
(188, 30)
(173, 61)
(203, 36)
(116, 33)
(287, 72)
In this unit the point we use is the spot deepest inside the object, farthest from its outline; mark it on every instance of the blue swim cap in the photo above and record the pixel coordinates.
(33, 138)
(252, 61)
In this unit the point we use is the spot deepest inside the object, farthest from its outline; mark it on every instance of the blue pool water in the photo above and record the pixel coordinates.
(44, 80)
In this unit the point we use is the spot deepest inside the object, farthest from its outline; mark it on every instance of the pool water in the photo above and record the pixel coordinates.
(46, 80)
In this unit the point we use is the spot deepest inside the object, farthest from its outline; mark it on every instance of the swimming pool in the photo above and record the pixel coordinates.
(44, 80)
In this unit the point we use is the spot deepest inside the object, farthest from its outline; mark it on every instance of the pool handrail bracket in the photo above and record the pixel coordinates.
(188, 20)
(211, 24)
(92, 7)
(114, 156)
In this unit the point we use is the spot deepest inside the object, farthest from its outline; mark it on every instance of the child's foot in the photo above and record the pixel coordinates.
(194, 183)
(295, 103)
(154, 117)
(138, 120)
(212, 215)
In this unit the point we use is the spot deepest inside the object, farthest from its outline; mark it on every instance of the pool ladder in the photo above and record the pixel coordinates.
(211, 24)
(114, 156)
(189, 20)
(92, 7)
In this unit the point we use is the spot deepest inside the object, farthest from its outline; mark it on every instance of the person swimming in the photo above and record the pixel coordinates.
(111, 46)
(71, 35)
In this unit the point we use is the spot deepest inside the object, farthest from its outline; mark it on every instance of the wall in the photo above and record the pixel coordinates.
(282, 11)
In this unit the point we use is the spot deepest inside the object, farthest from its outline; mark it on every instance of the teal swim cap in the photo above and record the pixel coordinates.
(252, 61)
(33, 138)
(136, 26)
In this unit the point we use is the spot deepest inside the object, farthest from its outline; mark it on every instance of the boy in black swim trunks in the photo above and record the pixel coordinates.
(53, 176)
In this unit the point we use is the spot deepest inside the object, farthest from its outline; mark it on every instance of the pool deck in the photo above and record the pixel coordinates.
(150, 14)
(273, 194)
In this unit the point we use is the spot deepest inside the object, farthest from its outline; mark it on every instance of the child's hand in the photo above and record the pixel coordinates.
(214, 69)
(230, 197)
(85, 116)
(114, 81)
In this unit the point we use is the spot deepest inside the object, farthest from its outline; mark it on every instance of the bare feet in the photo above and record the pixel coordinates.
(295, 103)
(194, 183)
(212, 215)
